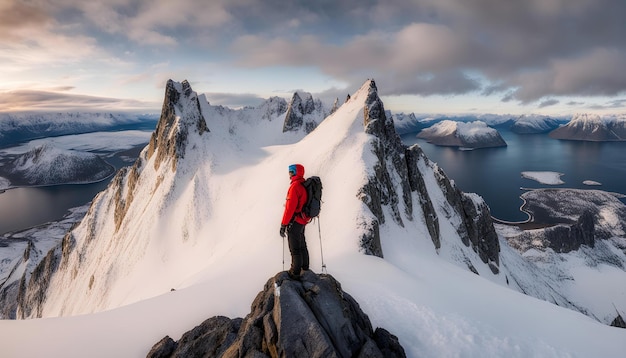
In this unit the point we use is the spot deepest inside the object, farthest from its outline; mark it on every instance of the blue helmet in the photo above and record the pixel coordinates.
(296, 169)
(292, 170)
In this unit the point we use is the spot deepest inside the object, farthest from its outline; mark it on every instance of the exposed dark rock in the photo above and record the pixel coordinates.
(397, 177)
(303, 111)
(619, 322)
(32, 295)
(181, 113)
(335, 106)
(566, 238)
(312, 317)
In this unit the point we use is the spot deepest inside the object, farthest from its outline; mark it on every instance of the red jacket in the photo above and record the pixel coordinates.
(296, 197)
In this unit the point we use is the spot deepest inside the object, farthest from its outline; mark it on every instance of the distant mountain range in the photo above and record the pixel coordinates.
(21, 127)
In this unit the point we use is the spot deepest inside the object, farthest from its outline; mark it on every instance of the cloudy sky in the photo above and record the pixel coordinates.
(427, 56)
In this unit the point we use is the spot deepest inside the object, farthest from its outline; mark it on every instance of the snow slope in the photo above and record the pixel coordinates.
(209, 230)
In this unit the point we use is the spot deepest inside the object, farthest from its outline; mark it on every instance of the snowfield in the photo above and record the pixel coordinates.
(203, 240)
(545, 177)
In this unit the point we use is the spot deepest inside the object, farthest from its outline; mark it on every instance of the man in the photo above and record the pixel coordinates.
(294, 222)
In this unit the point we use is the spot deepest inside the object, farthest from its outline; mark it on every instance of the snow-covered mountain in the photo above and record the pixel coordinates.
(48, 165)
(178, 172)
(591, 127)
(20, 127)
(465, 135)
(534, 124)
(199, 212)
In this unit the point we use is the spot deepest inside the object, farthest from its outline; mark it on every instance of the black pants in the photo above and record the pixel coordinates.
(298, 249)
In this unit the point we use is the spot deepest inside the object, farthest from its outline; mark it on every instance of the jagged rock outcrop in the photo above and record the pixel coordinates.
(566, 238)
(303, 111)
(180, 113)
(397, 179)
(619, 322)
(335, 106)
(313, 317)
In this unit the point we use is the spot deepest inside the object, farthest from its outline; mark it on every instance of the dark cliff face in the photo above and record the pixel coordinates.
(302, 112)
(397, 180)
(313, 317)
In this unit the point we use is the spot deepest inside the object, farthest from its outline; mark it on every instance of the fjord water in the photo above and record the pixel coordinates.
(495, 173)
(23, 208)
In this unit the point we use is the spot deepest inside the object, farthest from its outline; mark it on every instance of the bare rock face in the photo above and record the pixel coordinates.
(303, 111)
(397, 181)
(180, 114)
(311, 317)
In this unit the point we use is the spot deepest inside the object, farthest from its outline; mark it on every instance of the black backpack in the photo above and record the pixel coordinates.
(313, 186)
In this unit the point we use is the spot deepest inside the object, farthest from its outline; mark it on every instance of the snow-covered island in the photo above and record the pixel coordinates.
(470, 135)
(593, 128)
(591, 182)
(545, 177)
(48, 165)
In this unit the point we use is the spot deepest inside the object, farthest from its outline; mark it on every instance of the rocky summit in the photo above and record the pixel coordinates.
(310, 317)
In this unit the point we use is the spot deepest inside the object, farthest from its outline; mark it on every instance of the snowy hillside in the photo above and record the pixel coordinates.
(531, 124)
(590, 127)
(465, 135)
(199, 212)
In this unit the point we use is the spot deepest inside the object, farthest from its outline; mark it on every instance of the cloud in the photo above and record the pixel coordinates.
(17, 18)
(234, 100)
(37, 100)
(525, 51)
(548, 103)
(528, 49)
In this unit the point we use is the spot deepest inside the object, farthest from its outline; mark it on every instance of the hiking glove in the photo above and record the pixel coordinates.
(283, 228)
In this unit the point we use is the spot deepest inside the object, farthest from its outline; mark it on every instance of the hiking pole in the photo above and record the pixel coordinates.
(283, 253)
(319, 232)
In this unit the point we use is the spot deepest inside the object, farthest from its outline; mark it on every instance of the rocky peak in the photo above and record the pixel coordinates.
(303, 111)
(273, 107)
(396, 182)
(335, 106)
(312, 317)
(180, 116)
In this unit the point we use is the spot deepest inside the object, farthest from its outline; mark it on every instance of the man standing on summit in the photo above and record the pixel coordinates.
(294, 222)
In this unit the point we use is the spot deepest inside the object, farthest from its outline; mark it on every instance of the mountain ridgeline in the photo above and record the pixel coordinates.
(409, 166)
(103, 255)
